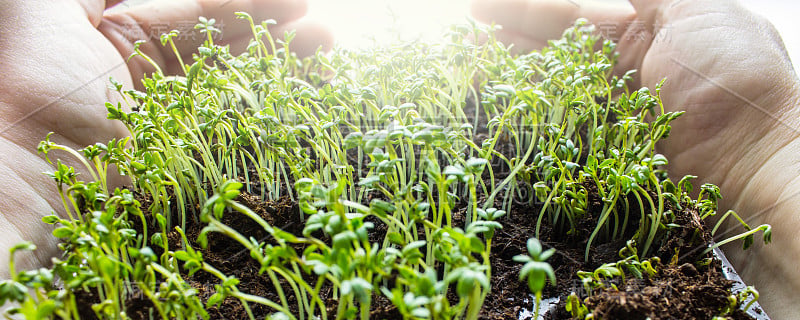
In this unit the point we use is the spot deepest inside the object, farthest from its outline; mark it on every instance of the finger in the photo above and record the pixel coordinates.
(151, 20)
(111, 3)
(519, 43)
(542, 20)
(647, 11)
(123, 28)
(536, 18)
(98, 5)
(309, 36)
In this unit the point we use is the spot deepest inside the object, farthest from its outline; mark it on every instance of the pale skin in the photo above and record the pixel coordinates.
(728, 69)
(56, 60)
(725, 66)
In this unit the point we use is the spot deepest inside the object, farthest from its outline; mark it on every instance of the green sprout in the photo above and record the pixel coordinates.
(437, 144)
(536, 269)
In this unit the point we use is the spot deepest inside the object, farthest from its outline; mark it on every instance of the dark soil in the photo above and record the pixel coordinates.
(677, 291)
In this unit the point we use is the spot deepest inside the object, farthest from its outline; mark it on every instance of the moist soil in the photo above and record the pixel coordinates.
(679, 290)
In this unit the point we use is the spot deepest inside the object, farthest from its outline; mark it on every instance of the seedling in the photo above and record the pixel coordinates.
(536, 270)
(403, 163)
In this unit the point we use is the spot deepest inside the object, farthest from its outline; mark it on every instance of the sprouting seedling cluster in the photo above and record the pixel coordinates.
(432, 141)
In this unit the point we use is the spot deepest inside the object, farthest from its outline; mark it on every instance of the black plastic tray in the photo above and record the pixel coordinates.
(549, 304)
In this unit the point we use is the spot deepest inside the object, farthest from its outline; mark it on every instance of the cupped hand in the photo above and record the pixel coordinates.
(56, 59)
(728, 69)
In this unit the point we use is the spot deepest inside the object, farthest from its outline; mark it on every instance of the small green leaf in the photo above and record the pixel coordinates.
(230, 282)
(182, 255)
(215, 300)
(369, 181)
(396, 238)
(454, 171)
(476, 164)
(62, 232)
(51, 219)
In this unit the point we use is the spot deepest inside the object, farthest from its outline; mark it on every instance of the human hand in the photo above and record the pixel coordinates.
(57, 57)
(728, 69)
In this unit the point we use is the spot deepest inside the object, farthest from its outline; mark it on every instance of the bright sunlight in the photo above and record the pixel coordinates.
(356, 23)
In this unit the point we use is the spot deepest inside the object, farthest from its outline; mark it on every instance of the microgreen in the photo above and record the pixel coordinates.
(536, 269)
(439, 143)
